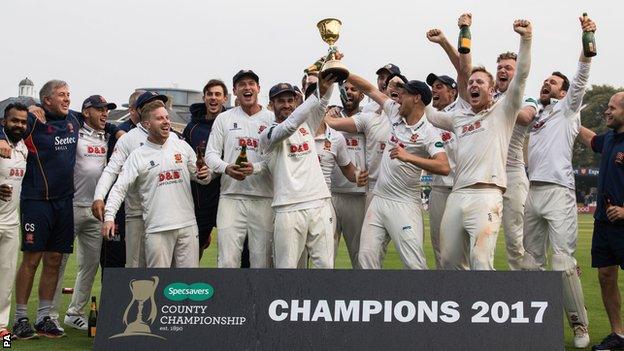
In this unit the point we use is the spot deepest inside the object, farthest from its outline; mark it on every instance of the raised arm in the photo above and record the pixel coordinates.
(574, 97)
(368, 89)
(585, 136)
(465, 61)
(518, 83)
(438, 37)
(442, 120)
(345, 124)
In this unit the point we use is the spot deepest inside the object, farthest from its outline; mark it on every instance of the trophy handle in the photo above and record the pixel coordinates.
(125, 315)
(153, 308)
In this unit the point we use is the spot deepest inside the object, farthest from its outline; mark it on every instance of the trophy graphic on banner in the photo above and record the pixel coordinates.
(330, 32)
(142, 292)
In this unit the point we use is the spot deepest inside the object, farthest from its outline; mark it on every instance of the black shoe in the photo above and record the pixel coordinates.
(22, 330)
(612, 342)
(48, 328)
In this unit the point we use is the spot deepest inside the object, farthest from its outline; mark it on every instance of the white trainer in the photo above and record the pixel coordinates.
(76, 322)
(581, 336)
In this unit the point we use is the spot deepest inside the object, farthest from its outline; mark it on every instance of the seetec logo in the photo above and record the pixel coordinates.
(6, 341)
(194, 292)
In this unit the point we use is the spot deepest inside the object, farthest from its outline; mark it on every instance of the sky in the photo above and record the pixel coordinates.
(112, 47)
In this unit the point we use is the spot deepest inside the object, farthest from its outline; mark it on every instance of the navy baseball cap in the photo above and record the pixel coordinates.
(245, 73)
(149, 96)
(417, 87)
(446, 80)
(98, 101)
(281, 88)
(392, 68)
(391, 77)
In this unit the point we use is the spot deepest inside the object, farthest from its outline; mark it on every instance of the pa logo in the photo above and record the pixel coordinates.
(6, 341)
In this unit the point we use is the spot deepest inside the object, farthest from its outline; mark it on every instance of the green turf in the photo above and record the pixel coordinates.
(599, 324)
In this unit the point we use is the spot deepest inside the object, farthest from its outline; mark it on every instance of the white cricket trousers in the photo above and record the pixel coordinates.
(514, 199)
(402, 222)
(89, 243)
(437, 204)
(135, 242)
(350, 210)
(177, 248)
(469, 228)
(9, 247)
(551, 217)
(312, 229)
(239, 218)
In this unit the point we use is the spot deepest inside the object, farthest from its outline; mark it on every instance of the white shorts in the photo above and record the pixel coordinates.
(469, 228)
(177, 248)
(311, 229)
(240, 218)
(402, 223)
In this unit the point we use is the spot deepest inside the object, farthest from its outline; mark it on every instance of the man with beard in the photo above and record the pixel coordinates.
(550, 214)
(197, 133)
(46, 207)
(395, 211)
(383, 75)
(483, 128)
(348, 198)
(302, 202)
(162, 169)
(11, 174)
(608, 239)
(244, 208)
(90, 161)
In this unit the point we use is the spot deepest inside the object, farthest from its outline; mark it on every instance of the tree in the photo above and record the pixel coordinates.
(595, 103)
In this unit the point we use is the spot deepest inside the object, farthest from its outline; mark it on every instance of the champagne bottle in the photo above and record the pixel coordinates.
(589, 42)
(464, 41)
(91, 326)
(242, 157)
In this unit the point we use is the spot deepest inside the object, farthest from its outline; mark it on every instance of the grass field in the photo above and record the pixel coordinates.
(599, 325)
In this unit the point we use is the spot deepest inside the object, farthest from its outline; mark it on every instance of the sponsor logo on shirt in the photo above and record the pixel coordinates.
(395, 140)
(251, 143)
(439, 144)
(619, 158)
(177, 158)
(298, 150)
(446, 136)
(97, 150)
(351, 142)
(16, 172)
(169, 177)
(471, 128)
(62, 143)
(152, 164)
(235, 126)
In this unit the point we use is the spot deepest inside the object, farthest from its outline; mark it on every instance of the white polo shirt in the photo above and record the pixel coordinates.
(376, 129)
(332, 152)
(450, 147)
(356, 145)
(90, 162)
(231, 130)
(11, 173)
(398, 180)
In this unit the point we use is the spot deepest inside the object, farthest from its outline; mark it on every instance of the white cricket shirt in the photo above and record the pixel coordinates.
(332, 152)
(90, 162)
(12, 172)
(376, 129)
(356, 145)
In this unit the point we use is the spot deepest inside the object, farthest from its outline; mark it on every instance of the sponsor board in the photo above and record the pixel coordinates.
(232, 309)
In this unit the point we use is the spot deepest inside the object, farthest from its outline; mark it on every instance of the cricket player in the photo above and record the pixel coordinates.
(11, 174)
(348, 198)
(608, 238)
(162, 169)
(384, 73)
(413, 145)
(135, 225)
(332, 151)
(483, 127)
(302, 202)
(244, 208)
(550, 215)
(90, 162)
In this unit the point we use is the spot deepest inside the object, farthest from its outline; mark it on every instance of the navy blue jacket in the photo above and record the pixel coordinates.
(51, 155)
(196, 133)
(611, 176)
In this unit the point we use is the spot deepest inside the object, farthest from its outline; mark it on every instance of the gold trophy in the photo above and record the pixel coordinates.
(142, 292)
(330, 32)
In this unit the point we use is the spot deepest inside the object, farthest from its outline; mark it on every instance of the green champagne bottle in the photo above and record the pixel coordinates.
(91, 326)
(242, 157)
(589, 42)
(464, 41)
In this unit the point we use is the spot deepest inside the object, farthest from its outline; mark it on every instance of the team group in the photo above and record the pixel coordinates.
(289, 179)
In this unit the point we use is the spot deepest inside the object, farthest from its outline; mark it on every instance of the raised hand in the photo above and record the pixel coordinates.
(464, 20)
(587, 24)
(435, 36)
(523, 27)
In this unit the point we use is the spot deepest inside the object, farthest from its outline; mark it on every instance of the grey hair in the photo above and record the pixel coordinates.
(48, 88)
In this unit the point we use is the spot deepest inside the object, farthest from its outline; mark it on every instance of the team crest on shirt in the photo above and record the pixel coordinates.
(303, 131)
(70, 126)
(261, 129)
(414, 137)
(619, 158)
(50, 130)
(327, 145)
(177, 158)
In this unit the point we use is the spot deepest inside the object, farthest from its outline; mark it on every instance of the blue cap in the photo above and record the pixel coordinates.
(98, 101)
(281, 88)
(392, 68)
(149, 96)
(416, 87)
(446, 80)
(245, 73)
